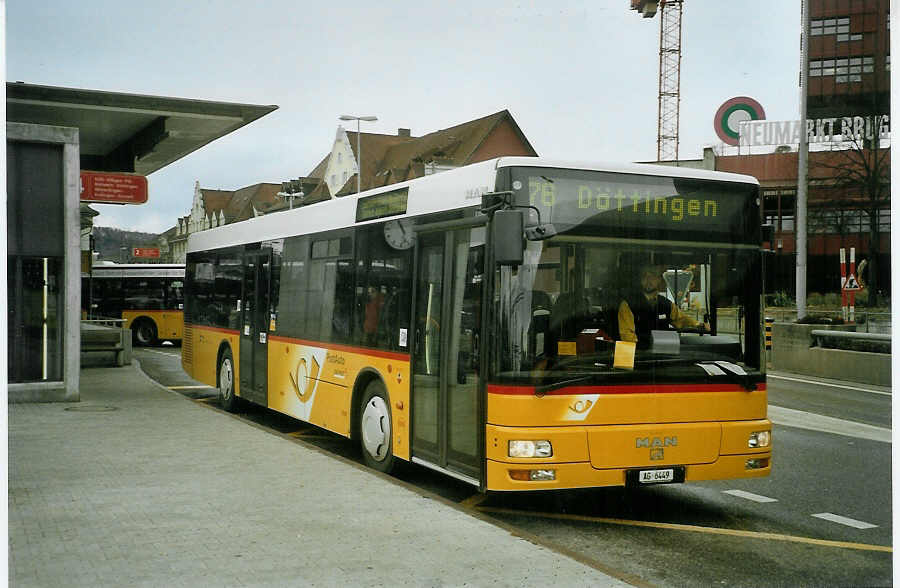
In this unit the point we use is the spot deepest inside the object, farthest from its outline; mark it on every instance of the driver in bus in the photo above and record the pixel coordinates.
(648, 310)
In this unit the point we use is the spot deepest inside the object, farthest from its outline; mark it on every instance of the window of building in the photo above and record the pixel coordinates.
(845, 69)
(884, 220)
(829, 26)
(778, 207)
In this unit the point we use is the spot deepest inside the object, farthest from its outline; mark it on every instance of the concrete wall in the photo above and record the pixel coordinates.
(66, 390)
(792, 351)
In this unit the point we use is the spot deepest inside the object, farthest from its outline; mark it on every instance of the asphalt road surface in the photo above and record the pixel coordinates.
(823, 518)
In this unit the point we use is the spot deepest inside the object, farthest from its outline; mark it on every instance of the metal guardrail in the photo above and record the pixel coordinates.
(850, 335)
(877, 342)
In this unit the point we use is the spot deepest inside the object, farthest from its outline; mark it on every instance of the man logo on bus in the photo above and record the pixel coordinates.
(655, 442)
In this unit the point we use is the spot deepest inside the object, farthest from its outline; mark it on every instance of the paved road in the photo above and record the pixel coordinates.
(822, 519)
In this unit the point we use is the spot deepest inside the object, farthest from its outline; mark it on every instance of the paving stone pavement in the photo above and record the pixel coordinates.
(139, 486)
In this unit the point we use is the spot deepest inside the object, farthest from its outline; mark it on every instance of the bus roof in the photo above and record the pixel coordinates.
(449, 190)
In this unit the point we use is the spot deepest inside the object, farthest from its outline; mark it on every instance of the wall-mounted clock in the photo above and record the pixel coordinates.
(399, 233)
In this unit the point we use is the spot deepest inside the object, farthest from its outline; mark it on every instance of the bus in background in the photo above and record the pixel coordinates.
(149, 298)
(467, 321)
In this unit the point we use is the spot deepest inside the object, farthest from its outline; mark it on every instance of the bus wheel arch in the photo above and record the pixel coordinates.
(225, 379)
(372, 422)
(143, 331)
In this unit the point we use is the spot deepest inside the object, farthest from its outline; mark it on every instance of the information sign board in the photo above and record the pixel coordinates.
(113, 188)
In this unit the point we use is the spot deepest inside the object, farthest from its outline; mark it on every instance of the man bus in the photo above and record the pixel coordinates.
(148, 298)
(467, 322)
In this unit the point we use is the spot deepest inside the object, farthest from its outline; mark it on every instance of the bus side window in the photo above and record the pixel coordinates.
(382, 278)
(175, 295)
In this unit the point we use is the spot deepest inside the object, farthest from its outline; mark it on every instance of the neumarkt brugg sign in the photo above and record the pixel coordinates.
(759, 133)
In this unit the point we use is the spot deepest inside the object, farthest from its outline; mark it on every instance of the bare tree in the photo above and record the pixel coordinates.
(858, 174)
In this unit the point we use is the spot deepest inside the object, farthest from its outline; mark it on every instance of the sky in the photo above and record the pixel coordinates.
(580, 78)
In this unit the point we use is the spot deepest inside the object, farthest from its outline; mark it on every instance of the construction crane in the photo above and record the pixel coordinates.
(669, 71)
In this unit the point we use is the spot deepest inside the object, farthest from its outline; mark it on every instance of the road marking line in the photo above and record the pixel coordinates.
(749, 496)
(830, 385)
(817, 422)
(178, 356)
(692, 529)
(190, 387)
(827, 516)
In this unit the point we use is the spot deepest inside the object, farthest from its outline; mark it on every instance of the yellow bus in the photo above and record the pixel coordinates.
(468, 321)
(149, 298)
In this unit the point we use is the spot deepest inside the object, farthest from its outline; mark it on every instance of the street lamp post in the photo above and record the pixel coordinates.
(358, 145)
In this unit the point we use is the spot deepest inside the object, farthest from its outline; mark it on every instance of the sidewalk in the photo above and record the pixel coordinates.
(137, 485)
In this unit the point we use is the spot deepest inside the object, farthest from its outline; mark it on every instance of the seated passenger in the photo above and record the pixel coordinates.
(647, 310)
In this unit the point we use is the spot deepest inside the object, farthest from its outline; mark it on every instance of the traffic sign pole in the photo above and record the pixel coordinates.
(853, 278)
(844, 313)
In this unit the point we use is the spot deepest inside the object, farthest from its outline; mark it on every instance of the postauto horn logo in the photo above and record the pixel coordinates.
(732, 113)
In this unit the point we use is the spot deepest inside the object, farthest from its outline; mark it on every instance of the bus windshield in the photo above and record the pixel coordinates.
(638, 268)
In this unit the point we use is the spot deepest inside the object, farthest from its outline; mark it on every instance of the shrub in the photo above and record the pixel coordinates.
(814, 299)
(832, 299)
(782, 298)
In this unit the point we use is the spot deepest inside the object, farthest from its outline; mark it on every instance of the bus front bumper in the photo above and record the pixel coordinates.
(620, 455)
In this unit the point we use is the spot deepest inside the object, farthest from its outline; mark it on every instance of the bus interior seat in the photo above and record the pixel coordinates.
(569, 315)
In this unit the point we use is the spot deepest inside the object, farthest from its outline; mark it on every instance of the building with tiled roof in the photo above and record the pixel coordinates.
(386, 159)
(214, 208)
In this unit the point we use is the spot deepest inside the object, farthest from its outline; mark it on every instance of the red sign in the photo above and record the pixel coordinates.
(150, 252)
(110, 188)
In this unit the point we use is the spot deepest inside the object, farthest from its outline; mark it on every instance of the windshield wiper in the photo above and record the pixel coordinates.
(540, 391)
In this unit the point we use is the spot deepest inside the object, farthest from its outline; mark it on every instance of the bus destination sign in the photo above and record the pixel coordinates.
(113, 188)
(655, 203)
(381, 205)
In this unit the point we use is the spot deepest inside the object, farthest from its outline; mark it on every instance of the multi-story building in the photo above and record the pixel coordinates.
(848, 99)
(849, 58)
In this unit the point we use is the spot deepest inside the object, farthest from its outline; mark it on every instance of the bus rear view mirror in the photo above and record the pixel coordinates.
(507, 229)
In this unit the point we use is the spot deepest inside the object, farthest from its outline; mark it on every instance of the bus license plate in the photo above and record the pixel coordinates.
(656, 476)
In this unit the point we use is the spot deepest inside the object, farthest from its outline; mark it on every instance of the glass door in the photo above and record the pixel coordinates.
(446, 388)
(255, 325)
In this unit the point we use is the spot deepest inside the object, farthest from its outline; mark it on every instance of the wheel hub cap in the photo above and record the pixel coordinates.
(225, 380)
(376, 428)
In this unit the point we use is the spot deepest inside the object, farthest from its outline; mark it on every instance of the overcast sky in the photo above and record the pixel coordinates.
(580, 78)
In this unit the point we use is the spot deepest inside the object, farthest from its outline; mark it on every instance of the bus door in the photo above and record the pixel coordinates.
(255, 325)
(446, 401)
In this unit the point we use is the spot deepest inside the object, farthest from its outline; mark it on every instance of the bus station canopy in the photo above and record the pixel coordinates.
(129, 132)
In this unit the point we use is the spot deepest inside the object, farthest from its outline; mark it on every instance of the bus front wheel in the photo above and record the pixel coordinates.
(227, 397)
(375, 428)
(144, 333)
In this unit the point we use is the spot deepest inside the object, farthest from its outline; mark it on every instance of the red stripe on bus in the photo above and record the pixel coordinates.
(626, 389)
(216, 329)
(347, 348)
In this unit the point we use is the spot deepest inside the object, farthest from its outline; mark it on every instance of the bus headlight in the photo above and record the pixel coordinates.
(759, 439)
(524, 448)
